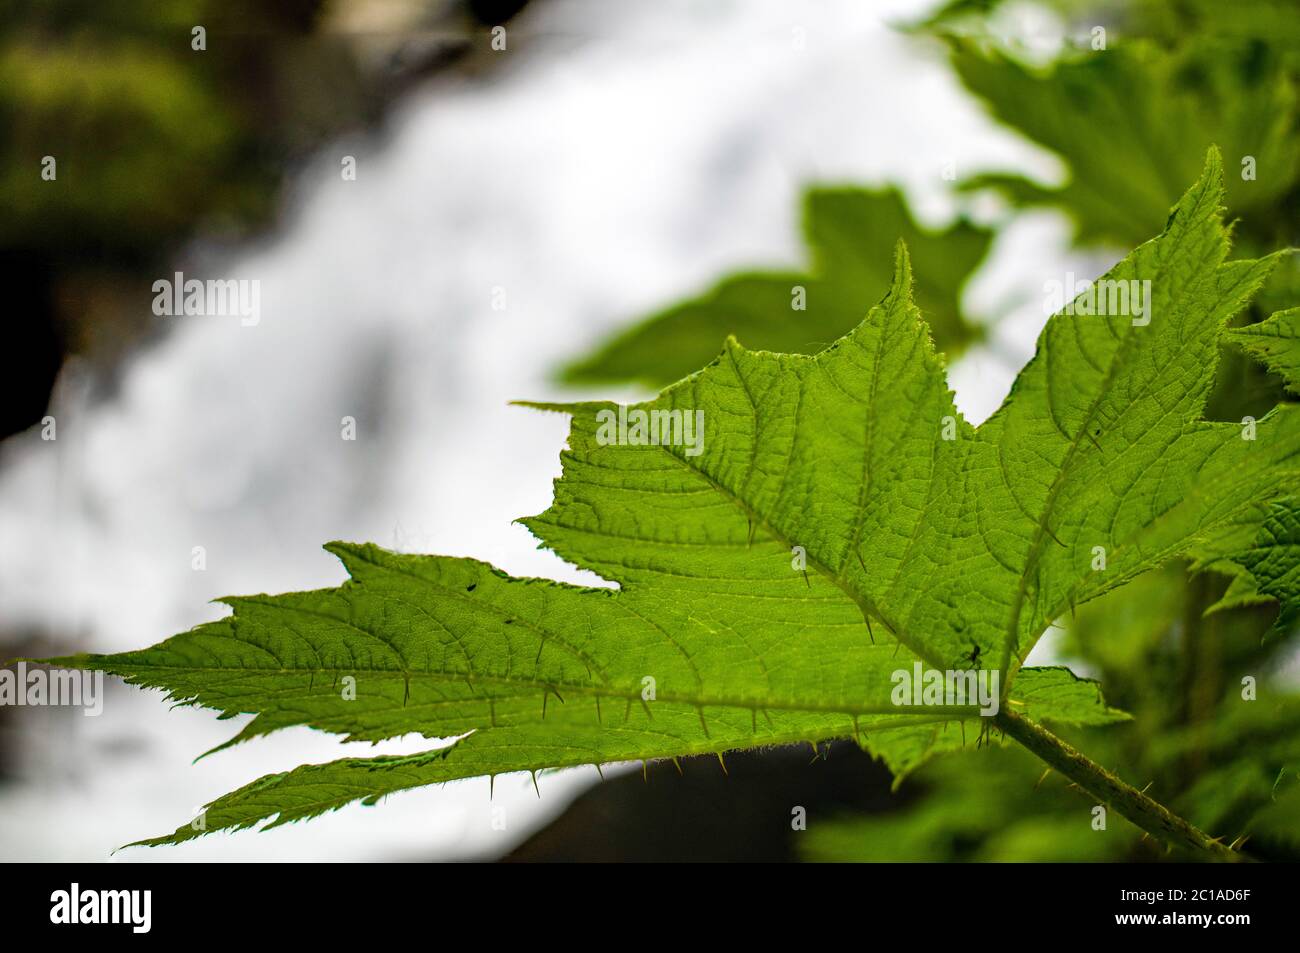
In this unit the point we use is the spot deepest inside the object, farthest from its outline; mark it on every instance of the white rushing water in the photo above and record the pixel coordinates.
(623, 156)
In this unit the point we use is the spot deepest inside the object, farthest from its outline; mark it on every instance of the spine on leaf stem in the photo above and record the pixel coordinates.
(1151, 816)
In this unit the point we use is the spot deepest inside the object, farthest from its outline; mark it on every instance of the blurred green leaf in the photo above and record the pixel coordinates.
(1131, 123)
(851, 235)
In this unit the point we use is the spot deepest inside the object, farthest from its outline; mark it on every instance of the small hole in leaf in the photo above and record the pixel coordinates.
(471, 587)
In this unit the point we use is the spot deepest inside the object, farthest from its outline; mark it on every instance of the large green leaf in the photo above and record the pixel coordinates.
(963, 544)
(850, 233)
(574, 734)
